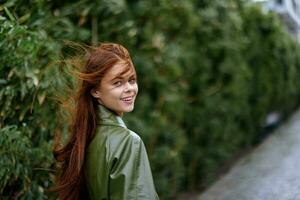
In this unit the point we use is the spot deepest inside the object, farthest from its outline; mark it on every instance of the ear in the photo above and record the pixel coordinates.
(95, 93)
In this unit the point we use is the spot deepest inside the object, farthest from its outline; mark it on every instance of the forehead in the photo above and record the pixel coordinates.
(120, 70)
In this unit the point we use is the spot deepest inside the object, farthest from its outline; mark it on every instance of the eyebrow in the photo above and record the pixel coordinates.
(116, 78)
(122, 77)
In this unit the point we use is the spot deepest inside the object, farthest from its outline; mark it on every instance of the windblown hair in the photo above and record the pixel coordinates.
(90, 69)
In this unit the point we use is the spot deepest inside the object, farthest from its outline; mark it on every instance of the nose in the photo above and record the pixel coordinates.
(128, 87)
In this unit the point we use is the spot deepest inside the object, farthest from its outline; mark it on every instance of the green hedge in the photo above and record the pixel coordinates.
(209, 72)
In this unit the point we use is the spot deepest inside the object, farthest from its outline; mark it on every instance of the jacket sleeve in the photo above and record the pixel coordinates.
(130, 173)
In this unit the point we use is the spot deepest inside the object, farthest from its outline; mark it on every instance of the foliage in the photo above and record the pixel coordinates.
(22, 172)
(209, 72)
(27, 118)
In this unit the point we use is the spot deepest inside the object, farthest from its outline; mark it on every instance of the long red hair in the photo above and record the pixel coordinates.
(71, 156)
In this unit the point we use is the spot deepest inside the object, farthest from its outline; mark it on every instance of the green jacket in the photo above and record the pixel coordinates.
(117, 166)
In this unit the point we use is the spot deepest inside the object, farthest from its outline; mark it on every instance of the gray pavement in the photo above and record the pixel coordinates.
(270, 172)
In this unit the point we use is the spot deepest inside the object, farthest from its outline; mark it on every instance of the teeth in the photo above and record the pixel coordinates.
(127, 99)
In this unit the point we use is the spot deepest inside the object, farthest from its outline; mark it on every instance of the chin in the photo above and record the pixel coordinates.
(128, 109)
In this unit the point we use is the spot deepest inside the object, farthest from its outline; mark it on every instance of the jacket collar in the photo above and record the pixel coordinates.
(108, 117)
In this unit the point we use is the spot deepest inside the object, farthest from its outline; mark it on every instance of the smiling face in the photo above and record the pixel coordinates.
(118, 89)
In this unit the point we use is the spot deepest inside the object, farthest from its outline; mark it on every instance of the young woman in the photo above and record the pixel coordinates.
(103, 159)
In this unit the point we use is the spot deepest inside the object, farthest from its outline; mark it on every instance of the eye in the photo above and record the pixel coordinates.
(132, 81)
(118, 83)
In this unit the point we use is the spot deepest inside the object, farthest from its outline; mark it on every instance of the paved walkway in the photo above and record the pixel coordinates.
(270, 172)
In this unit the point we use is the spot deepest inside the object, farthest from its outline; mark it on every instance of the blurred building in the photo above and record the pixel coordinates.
(289, 12)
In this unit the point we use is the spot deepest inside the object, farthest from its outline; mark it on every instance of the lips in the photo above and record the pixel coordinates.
(127, 99)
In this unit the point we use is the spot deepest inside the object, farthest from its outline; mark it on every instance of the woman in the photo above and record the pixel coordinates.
(103, 159)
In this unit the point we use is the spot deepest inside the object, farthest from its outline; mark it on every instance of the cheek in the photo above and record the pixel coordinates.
(136, 88)
(115, 93)
(109, 94)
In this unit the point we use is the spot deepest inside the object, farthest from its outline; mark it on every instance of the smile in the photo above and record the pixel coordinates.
(128, 99)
